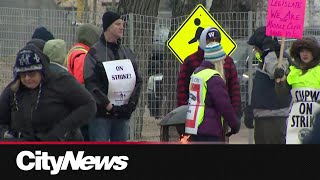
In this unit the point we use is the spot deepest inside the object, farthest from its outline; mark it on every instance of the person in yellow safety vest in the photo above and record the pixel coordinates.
(209, 102)
(303, 81)
(87, 35)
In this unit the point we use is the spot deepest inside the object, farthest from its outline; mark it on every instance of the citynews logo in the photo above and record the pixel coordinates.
(42, 161)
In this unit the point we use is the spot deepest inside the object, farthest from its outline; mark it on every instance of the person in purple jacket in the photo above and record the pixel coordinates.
(209, 102)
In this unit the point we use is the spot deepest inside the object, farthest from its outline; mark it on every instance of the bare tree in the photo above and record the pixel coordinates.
(144, 16)
(229, 12)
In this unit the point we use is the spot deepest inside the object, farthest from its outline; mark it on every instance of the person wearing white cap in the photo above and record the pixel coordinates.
(209, 102)
(208, 35)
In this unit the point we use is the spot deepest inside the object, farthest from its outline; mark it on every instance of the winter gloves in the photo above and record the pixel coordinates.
(123, 109)
(233, 131)
(278, 73)
(248, 117)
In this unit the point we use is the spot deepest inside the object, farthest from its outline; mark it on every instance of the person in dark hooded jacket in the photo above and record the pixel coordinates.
(268, 112)
(87, 35)
(41, 105)
(303, 81)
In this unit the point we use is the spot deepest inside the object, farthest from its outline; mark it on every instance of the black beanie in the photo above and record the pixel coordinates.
(108, 18)
(42, 33)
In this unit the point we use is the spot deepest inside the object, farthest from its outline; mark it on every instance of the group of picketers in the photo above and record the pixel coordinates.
(283, 107)
(57, 95)
(89, 92)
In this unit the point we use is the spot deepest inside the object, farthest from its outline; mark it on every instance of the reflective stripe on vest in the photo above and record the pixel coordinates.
(65, 64)
(258, 57)
(197, 95)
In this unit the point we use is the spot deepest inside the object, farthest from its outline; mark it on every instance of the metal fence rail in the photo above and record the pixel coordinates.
(146, 36)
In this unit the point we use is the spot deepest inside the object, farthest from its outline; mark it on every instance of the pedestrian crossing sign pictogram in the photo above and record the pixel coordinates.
(185, 40)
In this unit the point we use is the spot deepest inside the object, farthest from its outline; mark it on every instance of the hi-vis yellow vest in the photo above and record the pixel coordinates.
(305, 94)
(66, 59)
(197, 95)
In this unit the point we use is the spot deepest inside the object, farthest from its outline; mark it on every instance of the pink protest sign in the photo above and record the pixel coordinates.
(285, 18)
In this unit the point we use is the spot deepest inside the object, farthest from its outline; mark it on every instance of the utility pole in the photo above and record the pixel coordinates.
(80, 10)
(95, 12)
(208, 4)
(113, 5)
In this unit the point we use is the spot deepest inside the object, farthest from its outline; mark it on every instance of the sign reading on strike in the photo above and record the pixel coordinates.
(285, 18)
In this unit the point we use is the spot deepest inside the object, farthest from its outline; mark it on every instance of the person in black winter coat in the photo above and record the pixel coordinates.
(40, 105)
(268, 112)
(111, 75)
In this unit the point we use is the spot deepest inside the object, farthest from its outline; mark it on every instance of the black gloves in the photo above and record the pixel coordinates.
(278, 73)
(123, 109)
(248, 117)
(233, 131)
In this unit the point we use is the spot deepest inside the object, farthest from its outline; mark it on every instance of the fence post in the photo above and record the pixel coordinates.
(131, 45)
(250, 71)
(41, 17)
(131, 29)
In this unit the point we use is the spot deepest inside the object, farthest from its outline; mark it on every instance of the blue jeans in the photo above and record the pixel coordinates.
(106, 129)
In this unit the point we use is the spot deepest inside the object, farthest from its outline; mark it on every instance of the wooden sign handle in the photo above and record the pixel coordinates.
(281, 56)
(281, 51)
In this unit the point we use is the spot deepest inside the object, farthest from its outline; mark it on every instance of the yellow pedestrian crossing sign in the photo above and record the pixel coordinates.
(185, 40)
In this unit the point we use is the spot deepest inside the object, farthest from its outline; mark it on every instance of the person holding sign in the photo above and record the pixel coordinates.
(268, 111)
(303, 81)
(209, 102)
(111, 76)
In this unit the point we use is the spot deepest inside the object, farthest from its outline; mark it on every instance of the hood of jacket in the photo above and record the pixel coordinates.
(39, 43)
(308, 43)
(56, 50)
(88, 34)
(203, 38)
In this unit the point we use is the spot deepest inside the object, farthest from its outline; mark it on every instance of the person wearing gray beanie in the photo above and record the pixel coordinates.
(88, 34)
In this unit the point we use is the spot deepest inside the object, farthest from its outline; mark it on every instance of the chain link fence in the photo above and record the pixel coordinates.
(147, 37)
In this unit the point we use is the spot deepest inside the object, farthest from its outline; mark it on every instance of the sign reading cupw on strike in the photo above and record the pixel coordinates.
(184, 41)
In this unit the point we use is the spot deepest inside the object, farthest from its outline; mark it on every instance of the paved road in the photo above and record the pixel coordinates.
(242, 137)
